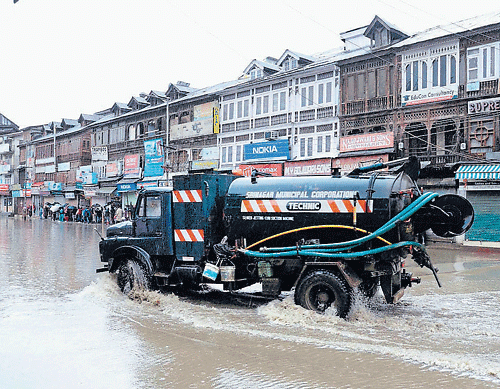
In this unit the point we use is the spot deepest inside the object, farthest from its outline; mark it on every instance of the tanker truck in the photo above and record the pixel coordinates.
(322, 237)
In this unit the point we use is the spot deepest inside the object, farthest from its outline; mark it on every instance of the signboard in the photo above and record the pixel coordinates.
(4, 169)
(129, 187)
(379, 140)
(314, 167)
(216, 120)
(274, 169)
(64, 167)
(153, 152)
(99, 153)
(347, 165)
(204, 165)
(81, 171)
(209, 153)
(4, 148)
(4, 190)
(201, 124)
(131, 167)
(55, 186)
(277, 149)
(112, 169)
(89, 178)
(484, 106)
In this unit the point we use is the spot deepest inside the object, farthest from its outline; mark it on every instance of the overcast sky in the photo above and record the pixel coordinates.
(61, 58)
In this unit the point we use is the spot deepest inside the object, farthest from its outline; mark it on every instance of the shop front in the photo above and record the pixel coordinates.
(480, 184)
(127, 190)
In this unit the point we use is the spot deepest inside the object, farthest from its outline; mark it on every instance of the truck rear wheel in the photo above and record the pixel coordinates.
(322, 289)
(131, 275)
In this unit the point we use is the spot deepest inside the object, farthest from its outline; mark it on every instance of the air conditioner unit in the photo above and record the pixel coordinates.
(272, 135)
(463, 146)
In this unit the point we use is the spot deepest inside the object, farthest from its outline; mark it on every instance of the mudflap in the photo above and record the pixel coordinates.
(392, 287)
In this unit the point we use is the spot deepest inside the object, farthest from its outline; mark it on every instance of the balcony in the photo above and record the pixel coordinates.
(486, 88)
(370, 105)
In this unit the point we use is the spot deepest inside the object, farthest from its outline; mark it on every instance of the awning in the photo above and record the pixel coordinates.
(478, 172)
(106, 190)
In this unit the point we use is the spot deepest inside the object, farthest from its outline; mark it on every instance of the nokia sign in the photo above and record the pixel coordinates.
(267, 150)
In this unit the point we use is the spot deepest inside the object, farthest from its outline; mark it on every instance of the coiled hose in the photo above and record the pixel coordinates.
(338, 250)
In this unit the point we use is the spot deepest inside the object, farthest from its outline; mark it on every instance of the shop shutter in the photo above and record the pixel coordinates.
(486, 225)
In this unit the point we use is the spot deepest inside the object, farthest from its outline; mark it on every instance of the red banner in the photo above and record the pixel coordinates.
(275, 169)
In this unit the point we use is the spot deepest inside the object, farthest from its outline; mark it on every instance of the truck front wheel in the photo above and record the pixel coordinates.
(321, 289)
(131, 275)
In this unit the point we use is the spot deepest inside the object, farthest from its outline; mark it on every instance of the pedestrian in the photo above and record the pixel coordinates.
(119, 215)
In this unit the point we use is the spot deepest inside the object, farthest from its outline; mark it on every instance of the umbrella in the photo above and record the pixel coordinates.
(55, 207)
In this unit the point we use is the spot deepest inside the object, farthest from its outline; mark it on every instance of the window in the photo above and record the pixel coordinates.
(328, 143)
(224, 155)
(302, 147)
(246, 108)
(320, 93)
(282, 101)
(290, 63)
(275, 102)
(231, 111)
(150, 207)
(424, 75)
(238, 153)
(303, 97)
(415, 75)
(258, 105)
(255, 73)
(265, 104)
(311, 95)
(230, 154)
(408, 77)
(435, 72)
(328, 92)
(320, 144)
(481, 62)
(453, 70)
(309, 147)
(240, 109)
(442, 70)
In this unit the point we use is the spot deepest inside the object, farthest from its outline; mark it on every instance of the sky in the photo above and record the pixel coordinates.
(62, 58)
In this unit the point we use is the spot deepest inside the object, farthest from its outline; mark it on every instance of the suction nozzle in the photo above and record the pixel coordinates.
(451, 215)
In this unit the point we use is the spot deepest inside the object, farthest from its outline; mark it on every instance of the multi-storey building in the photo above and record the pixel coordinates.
(286, 111)
(9, 138)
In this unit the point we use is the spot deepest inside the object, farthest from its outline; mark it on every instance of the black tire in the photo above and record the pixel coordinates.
(132, 275)
(321, 289)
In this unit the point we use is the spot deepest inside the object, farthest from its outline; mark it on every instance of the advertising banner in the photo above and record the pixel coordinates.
(347, 165)
(313, 167)
(153, 152)
(201, 124)
(379, 140)
(111, 169)
(277, 149)
(274, 169)
(99, 153)
(131, 167)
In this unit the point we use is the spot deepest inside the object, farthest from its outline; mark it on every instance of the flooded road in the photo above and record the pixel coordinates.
(64, 326)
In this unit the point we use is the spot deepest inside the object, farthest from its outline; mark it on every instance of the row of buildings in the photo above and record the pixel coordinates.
(385, 95)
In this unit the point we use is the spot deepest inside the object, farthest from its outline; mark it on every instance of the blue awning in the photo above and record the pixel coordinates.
(478, 172)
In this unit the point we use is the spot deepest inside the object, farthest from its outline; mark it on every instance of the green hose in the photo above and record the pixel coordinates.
(403, 215)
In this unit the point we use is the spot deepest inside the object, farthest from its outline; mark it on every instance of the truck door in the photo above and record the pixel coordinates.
(153, 223)
(148, 222)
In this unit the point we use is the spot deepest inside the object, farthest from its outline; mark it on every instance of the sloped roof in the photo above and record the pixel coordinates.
(262, 65)
(391, 27)
(299, 56)
(460, 28)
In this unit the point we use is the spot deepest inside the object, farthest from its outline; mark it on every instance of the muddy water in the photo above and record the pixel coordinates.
(63, 326)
